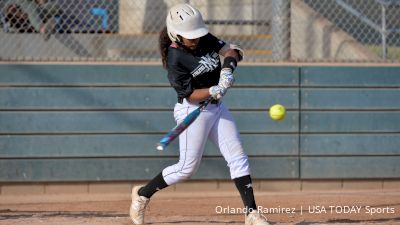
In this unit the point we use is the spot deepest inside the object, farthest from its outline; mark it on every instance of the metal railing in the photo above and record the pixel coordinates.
(381, 28)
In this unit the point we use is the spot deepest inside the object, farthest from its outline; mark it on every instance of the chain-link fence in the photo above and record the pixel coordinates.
(268, 30)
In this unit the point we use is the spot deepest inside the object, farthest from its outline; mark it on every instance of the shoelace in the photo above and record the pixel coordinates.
(140, 205)
(265, 218)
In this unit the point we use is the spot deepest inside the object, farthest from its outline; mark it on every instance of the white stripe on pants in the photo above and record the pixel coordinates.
(214, 122)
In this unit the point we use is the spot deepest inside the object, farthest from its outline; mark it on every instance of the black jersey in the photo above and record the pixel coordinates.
(200, 68)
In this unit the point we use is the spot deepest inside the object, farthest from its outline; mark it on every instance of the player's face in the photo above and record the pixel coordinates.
(191, 43)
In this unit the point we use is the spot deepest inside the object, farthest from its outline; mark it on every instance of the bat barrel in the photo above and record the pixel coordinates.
(177, 130)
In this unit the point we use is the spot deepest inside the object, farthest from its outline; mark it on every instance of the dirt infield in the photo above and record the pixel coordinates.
(365, 207)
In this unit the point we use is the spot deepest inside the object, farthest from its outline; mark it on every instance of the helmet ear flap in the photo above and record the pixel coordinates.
(179, 39)
(172, 35)
(175, 37)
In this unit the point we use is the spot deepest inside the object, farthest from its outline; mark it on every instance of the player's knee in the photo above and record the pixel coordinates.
(188, 171)
(185, 174)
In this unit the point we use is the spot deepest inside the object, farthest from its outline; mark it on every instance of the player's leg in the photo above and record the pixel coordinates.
(191, 144)
(225, 135)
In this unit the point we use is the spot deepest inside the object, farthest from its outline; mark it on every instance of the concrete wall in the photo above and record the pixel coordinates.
(314, 37)
(138, 17)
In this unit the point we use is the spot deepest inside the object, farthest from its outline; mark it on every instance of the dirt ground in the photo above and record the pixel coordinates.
(201, 208)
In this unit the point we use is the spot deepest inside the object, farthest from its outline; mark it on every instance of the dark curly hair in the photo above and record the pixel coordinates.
(164, 42)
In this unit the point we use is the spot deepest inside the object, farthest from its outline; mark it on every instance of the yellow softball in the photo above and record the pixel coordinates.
(277, 112)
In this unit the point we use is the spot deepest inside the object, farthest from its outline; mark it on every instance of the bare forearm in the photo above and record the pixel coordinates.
(199, 95)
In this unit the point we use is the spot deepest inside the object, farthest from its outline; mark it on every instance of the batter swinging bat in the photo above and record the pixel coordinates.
(178, 129)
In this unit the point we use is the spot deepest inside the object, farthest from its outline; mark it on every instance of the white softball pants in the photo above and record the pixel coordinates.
(216, 123)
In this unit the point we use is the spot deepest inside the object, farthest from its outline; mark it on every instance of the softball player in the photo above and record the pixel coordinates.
(192, 57)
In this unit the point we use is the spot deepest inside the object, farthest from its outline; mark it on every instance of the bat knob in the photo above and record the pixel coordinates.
(160, 147)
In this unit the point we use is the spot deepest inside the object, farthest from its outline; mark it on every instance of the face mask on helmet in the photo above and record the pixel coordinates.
(186, 21)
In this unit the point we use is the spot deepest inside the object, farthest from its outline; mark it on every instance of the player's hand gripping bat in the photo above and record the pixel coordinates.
(178, 129)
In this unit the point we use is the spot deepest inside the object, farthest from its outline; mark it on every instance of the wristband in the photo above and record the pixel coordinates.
(230, 62)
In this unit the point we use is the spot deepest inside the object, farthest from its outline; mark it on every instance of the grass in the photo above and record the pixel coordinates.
(393, 53)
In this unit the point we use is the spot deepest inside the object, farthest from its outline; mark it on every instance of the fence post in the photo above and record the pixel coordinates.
(280, 29)
(384, 32)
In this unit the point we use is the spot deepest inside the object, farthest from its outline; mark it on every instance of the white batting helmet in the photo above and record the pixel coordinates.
(186, 21)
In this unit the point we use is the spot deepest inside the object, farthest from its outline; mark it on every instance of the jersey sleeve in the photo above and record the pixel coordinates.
(214, 42)
(180, 80)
